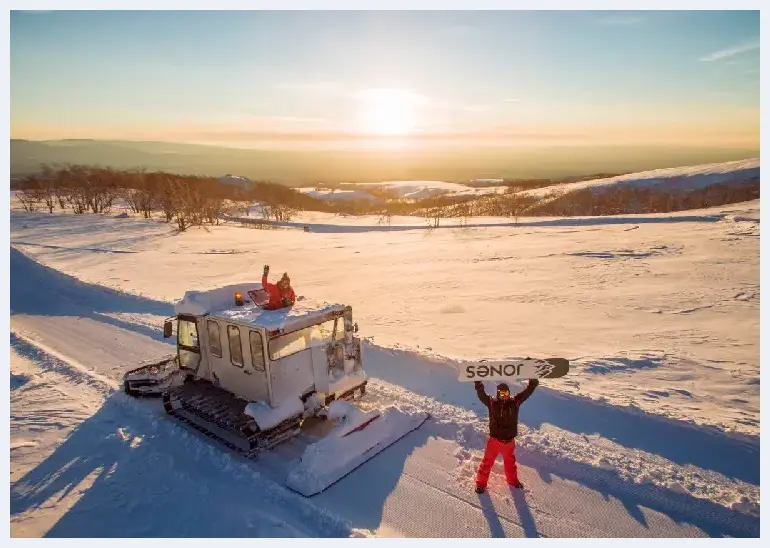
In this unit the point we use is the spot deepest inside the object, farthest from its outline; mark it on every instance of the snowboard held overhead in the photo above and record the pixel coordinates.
(504, 370)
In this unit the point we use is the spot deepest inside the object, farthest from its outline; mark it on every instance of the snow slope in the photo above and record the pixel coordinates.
(415, 190)
(658, 457)
(638, 302)
(340, 195)
(681, 178)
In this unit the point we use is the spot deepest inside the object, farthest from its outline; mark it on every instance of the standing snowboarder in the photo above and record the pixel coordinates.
(281, 294)
(503, 428)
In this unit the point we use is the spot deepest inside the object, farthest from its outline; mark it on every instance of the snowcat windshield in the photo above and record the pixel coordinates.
(296, 341)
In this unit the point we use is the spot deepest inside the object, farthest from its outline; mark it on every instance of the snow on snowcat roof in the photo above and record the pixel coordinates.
(220, 302)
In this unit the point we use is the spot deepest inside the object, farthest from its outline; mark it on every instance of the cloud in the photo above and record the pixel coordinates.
(743, 47)
(511, 100)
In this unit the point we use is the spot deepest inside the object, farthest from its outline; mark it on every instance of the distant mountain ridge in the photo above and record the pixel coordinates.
(298, 167)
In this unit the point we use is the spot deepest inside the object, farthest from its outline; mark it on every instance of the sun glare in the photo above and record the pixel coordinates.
(389, 112)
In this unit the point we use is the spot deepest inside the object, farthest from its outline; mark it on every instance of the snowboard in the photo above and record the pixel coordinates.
(503, 370)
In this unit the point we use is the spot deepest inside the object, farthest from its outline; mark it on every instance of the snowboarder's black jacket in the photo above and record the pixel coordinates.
(504, 413)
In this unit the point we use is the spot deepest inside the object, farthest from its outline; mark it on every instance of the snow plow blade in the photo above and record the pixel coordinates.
(358, 437)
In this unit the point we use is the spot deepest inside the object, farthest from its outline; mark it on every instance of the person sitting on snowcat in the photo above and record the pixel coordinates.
(281, 294)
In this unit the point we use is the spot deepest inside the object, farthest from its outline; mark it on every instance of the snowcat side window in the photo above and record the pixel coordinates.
(257, 357)
(215, 341)
(236, 352)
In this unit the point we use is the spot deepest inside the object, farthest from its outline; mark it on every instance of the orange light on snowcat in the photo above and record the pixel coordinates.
(238, 298)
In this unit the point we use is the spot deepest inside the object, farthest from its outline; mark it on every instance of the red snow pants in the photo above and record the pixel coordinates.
(494, 448)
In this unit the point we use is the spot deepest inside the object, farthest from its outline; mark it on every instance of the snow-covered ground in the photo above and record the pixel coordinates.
(333, 195)
(416, 190)
(410, 190)
(681, 178)
(655, 431)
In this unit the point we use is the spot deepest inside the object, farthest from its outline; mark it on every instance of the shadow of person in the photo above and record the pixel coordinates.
(527, 519)
(495, 527)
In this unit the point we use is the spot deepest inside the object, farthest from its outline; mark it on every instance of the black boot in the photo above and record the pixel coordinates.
(517, 485)
(479, 490)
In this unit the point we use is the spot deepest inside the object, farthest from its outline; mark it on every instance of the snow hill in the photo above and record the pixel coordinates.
(333, 195)
(680, 178)
(655, 431)
(417, 190)
(409, 190)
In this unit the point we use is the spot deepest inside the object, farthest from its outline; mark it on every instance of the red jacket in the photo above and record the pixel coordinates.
(276, 297)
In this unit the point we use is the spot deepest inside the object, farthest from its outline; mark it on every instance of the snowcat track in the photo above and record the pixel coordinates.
(209, 409)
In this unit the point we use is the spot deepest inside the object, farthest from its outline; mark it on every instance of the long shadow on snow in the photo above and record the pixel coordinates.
(38, 290)
(495, 526)
(525, 515)
(713, 519)
(372, 483)
(119, 232)
(66, 248)
(677, 441)
(151, 482)
(134, 474)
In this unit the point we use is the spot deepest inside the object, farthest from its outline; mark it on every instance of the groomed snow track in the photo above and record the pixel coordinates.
(420, 486)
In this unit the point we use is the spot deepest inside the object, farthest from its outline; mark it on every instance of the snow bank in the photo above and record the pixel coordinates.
(330, 459)
(268, 417)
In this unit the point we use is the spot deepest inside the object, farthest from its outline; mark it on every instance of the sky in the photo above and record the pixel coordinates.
(339, 80)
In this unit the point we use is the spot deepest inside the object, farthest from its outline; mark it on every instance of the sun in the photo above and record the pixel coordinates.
(389, 112)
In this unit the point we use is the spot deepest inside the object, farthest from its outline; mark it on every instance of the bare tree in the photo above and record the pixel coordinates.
(433, 216)
(28, 199)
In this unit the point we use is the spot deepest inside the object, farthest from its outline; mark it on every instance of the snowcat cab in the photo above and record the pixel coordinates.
(250, 377)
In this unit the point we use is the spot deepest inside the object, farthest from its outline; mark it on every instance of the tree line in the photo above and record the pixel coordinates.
(187, 200)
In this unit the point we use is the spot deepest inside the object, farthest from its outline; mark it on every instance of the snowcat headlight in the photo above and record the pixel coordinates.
(238, 298)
